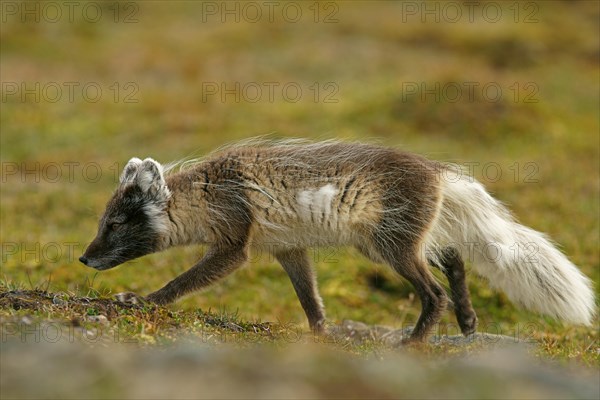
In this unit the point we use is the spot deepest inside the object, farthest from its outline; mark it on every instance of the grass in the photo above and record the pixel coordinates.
(541, 135)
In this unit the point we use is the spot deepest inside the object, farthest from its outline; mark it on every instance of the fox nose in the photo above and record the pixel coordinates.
(83, 260)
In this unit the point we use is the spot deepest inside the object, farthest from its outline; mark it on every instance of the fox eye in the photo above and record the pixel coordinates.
(114, 226)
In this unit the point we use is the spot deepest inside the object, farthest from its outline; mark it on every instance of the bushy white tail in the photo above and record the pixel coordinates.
(522, 262)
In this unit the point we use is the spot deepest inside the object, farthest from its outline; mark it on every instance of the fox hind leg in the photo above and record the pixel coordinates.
(432, 295)
(407, 263)
(454, 269)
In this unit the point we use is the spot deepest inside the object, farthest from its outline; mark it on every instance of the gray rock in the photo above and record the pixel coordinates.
(358, 332)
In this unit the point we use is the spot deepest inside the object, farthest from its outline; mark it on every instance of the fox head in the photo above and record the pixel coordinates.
(135, 222)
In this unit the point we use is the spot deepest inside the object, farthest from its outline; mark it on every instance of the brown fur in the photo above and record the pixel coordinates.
(387, 200)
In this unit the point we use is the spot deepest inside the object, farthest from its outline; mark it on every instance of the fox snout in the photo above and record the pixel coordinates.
(95, 263)
(87, 262)
(92, 256)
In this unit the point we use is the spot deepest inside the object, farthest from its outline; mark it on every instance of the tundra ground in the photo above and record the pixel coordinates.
(375, 73)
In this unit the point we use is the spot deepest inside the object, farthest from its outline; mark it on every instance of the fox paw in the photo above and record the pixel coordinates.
(130, 298)
(467, 323)
(319, 327)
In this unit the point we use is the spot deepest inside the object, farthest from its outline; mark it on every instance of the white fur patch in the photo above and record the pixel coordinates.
(150, 178)
(315, 204)
(156, 218)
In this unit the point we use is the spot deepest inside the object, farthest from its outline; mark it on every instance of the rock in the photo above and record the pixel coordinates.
(359, 332)
(99, 319)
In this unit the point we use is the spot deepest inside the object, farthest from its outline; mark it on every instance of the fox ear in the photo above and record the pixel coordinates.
(151, 180)
(130, 170)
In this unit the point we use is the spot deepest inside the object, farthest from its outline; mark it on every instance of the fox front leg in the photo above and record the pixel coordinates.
(219, 262)
(297, 265)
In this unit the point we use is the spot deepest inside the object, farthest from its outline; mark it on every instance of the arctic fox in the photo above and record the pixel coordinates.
(395, 207)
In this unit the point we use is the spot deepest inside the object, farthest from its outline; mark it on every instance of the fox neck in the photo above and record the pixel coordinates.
(185, 216)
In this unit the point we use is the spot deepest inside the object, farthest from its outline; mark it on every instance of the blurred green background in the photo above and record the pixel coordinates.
(509, 89)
